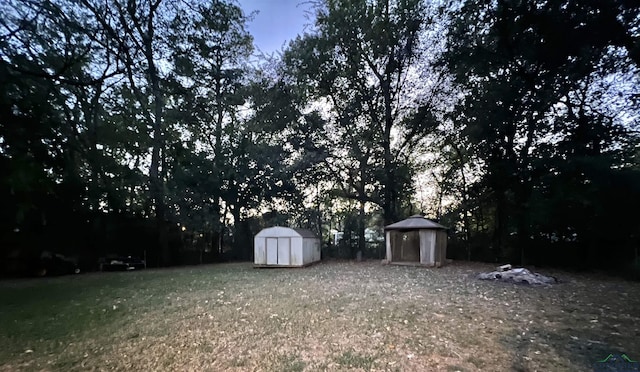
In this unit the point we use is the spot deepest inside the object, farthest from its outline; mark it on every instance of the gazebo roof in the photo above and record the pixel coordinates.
(415, 222)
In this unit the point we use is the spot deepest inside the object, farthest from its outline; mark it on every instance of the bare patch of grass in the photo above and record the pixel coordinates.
(289, 363)
(353, 359)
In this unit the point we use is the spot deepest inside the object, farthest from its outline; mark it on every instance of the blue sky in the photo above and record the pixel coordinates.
(277, 22)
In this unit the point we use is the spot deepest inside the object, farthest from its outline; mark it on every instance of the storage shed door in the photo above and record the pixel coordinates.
(284, 251)
(272, 251)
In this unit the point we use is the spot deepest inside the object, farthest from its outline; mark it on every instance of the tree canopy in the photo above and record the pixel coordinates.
(152, 128)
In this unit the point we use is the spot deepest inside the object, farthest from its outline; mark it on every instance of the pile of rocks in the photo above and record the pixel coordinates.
(519, 275)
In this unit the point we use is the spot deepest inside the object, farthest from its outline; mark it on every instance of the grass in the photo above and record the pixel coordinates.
(332, 316)
(353, 359)
(289, 363)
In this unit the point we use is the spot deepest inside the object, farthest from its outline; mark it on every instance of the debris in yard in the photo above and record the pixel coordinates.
(518, 275)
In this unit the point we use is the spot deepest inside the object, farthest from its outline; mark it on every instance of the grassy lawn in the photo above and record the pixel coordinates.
(331, 316)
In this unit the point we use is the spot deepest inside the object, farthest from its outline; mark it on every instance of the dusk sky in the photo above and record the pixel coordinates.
(277, 22)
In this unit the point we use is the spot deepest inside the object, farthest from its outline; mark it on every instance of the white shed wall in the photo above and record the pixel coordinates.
(259, 250)
(296, 251)
(306, 252)
(311, 248)
(316, 250)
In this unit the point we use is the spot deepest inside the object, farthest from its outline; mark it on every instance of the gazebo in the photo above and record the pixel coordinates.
(416, 241)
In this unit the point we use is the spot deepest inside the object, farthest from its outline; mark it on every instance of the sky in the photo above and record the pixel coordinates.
(277, 22)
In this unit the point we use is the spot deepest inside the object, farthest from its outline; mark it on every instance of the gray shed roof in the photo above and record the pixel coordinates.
(305, 233)
(415, 222)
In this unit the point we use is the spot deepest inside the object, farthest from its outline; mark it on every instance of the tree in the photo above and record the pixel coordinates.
(523, 66)
(361, 62)
(50, 117)
(138, 39)
(144, 112)
(247, 123)
(210, 48)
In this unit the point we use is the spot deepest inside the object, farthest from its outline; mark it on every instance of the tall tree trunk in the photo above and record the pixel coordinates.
(465, 202)
(92, 114)
(217, 151)
(499, 226)
(522, 211)
(390, 208)
(361, 202)
(319, 217)
(389, 203)
(238, 242)
(156, 178)
(361, 228)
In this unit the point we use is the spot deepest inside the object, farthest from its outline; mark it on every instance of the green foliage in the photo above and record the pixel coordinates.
(152, 115)
(359, 60)
(535, 79)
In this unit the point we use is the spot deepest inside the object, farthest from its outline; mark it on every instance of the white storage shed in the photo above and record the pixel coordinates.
(285, 247)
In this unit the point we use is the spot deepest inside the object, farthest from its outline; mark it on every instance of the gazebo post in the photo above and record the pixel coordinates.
(388, 244)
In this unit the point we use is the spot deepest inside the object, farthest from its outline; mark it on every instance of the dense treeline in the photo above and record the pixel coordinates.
(152, 128)
(551, 114)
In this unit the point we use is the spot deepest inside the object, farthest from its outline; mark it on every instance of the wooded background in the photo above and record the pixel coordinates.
(153, 128)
